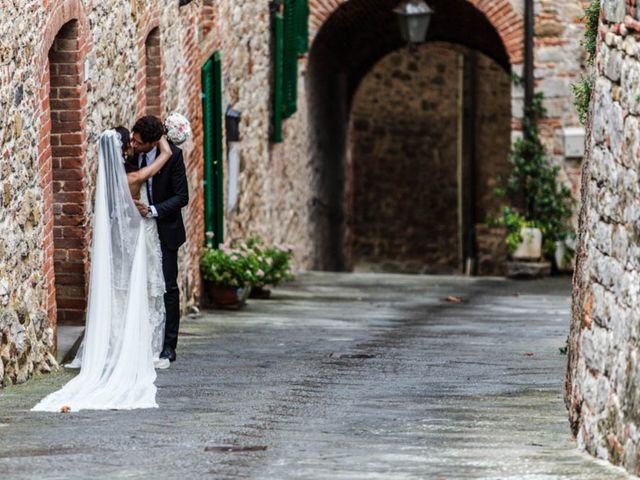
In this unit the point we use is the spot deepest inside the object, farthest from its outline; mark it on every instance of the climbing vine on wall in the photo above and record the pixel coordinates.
(582, 90)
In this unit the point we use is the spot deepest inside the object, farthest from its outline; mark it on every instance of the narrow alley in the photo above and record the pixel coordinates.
(343, 377)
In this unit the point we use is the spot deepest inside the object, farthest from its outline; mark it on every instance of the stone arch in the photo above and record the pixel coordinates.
(62, 149)
(349, 38)
(153, 73)
(500, 13)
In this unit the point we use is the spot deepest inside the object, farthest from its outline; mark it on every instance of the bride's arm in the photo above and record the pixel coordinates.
(146, 173)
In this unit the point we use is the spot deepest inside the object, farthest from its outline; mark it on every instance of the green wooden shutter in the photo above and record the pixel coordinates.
(213, 151)
(209, 155)
(219, 166)
(278, 44)
(290, 62)
(302, 21)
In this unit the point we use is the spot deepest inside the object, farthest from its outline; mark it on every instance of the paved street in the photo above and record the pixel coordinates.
(339, 377)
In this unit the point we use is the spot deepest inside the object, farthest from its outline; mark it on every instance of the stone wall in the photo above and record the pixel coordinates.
(603, 375)
(111, 88)
(405, 127)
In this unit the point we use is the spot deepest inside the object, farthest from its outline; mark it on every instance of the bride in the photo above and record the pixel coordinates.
(125, 312)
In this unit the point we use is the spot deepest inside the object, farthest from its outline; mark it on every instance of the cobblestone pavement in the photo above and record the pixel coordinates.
(338, 377)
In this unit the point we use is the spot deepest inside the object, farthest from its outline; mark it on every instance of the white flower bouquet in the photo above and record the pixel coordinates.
(178, 128)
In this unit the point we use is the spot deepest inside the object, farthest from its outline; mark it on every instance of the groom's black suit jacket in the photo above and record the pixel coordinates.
(170, 194)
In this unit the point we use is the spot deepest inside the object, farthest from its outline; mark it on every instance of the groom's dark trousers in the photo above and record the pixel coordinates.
(170, 195)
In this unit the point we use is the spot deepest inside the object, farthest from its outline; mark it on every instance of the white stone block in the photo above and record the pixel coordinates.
(573, 142)
(614, 10)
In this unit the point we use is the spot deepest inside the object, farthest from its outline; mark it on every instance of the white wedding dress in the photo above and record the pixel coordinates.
(125, 312)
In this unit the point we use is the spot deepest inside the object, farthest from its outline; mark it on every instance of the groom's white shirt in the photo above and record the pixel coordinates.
(151, 157)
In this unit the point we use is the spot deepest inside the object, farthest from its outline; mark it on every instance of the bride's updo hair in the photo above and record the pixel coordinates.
(125, 138)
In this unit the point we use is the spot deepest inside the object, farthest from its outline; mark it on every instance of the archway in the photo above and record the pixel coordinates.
(69, 178)
(153, 73)
(350, 43)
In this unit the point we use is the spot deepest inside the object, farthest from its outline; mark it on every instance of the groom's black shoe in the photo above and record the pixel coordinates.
(168, 353)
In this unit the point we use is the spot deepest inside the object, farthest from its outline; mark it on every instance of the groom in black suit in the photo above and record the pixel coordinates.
(169, 194)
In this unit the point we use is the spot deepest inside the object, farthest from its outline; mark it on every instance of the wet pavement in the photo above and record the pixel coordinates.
(337, 377)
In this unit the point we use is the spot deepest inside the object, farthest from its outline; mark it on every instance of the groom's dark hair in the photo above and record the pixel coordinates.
(150, 128)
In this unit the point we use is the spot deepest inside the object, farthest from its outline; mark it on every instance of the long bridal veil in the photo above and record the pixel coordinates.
(117, 361)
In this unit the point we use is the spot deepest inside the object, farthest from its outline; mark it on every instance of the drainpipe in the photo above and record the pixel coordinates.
(529, 26)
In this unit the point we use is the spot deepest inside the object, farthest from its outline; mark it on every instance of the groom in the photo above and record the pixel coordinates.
(168, 194)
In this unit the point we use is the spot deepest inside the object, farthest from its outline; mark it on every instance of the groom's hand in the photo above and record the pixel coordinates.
(142, 208)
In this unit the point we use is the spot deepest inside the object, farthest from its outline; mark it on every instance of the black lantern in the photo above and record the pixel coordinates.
(414, 17)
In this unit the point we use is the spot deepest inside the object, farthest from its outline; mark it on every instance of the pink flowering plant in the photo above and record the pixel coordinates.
(274, 262)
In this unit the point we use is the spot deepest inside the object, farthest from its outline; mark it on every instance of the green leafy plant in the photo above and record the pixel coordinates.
(583, 89)
(230, 267)
(582, 96)
(565, 349)
(591, 19)
(513, 222)
(533, 186)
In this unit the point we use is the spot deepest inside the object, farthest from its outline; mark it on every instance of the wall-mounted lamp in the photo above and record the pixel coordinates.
(414, 17)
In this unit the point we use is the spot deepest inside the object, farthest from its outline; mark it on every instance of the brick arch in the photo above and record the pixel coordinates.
(147, 25)
(153, 73)
(61, 154)
(207, 17)
(507, 22)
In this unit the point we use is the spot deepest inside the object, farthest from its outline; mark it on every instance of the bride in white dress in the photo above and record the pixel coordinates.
(125, 312)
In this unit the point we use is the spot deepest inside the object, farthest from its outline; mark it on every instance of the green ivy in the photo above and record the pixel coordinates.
(582, 97)
(582, 90)
(592, 20)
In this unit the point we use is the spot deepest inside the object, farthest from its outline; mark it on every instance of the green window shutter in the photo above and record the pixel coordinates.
(278, 45)
(290, 61)
(218, 145)
(212, 146)
(209, 155)
(302, 21)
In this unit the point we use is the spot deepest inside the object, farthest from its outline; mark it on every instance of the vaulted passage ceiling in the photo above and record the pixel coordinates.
(360, 32)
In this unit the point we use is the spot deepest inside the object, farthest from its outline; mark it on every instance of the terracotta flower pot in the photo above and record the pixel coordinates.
(230, 298)
(260, 293)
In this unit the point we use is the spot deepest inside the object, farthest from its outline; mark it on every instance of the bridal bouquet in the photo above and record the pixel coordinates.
(178, 128)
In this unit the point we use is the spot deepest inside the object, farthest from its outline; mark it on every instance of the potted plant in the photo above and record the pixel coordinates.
(274, 266)
(543, 203)
(565, 254)
(523, 239)
(228, 274)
